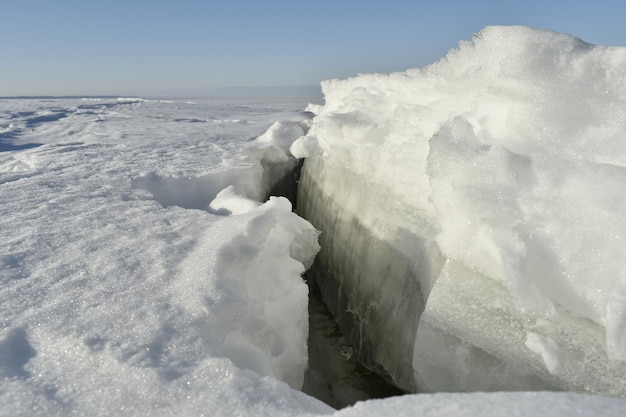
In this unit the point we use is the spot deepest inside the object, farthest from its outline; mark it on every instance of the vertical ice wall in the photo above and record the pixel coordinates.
(471, 214)
(371, 287)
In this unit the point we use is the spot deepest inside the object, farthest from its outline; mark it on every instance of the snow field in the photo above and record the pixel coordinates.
(121, 292)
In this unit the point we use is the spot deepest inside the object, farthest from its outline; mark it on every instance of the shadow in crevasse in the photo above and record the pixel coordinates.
(335, 374)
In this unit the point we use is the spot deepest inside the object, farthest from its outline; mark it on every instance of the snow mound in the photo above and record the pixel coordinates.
(246, 292)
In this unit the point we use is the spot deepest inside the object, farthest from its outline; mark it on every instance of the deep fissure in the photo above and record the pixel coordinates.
(335, 375)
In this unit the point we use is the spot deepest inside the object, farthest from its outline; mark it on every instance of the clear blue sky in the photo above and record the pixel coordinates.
(188, 47)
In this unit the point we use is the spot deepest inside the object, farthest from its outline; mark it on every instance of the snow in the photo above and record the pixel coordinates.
(140, 275)
(241, 294)
(488, 404)
(145, 271)
(494, 175)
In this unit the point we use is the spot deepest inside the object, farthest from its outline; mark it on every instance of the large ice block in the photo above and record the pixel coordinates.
(471, 337)
(472, 215)
(371, 286)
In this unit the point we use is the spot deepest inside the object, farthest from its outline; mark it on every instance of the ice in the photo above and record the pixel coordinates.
(379, 278)
(549, 350)
(483, 188)
(616, 314)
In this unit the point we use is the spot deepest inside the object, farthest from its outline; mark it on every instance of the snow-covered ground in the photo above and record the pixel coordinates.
(119, 293)
(141, 275)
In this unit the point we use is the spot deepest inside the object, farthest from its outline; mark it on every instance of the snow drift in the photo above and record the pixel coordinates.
(472, 213)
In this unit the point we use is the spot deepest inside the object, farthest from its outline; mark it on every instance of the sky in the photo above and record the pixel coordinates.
(196, 48)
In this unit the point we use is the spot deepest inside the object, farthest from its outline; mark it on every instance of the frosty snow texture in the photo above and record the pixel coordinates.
(140, 275)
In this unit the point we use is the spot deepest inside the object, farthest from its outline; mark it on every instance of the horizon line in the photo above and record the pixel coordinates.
(312, 90)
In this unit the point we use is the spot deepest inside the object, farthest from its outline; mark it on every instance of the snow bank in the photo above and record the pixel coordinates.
(245, 291)
(486, 405)
(495, 174)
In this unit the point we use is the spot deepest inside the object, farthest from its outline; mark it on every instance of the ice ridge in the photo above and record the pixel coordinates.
(475, 202)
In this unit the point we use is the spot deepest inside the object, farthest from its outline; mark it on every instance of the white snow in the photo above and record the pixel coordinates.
(142, 272)
(499, 170)
(527, 404)
(139, 275)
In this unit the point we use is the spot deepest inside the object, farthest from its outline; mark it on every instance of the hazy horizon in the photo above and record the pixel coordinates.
(161, 49)
(242, 92)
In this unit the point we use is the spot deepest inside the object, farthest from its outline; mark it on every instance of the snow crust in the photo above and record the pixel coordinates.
(140, 274)
(503, 162)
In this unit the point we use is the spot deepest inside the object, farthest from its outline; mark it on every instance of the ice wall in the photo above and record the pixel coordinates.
(368, 284)
(472, 215)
